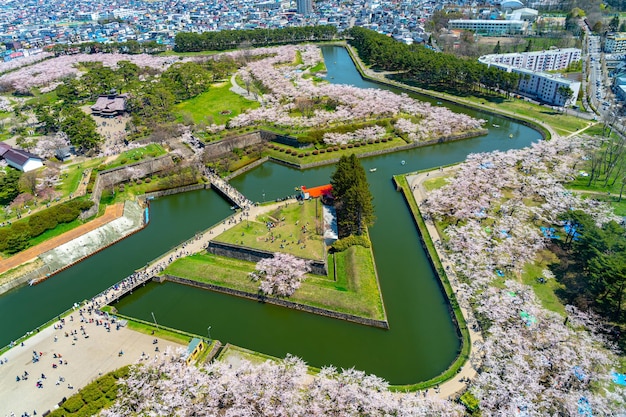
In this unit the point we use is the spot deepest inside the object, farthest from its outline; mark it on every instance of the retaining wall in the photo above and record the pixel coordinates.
(172, 191)
(284, 139)
(280, 302)
(124, 173)
(246, 168)
(227, 145)
(255, 255)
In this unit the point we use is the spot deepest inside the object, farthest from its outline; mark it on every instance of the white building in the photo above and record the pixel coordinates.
(490, 27)
(19, 158)
(615, 43)
(551, 60)
(543, 86)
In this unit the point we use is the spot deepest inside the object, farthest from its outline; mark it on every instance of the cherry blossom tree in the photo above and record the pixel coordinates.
(170, 387)
(533, 361)
(280, 275)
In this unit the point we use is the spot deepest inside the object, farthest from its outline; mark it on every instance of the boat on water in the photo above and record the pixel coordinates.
(495, 125)
(511, 136)
(403, 162)
(372, 169)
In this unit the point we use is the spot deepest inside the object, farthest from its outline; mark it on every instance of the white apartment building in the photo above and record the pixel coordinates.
(551, 60)
(615, 43)
(543, 86)
(490, 27)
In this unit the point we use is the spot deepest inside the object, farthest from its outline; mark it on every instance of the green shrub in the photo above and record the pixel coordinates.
(106, 383)
(90, 393)
(322, 150)
(93, 408)
(73, 404)
(122, 372)
(352, 240)
(40, 222)
(148, 180)
(315, 152)
(469, 401)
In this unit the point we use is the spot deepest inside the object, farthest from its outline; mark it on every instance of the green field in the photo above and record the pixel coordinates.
(563, 124)
(218, 105)
(298, 230)
(135, 155)
(354, 292)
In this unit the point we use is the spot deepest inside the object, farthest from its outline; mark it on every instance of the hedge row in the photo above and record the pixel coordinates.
(94, 397)
(352, 240)
(16, 237)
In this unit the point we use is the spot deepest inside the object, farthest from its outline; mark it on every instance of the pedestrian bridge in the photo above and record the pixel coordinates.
(228, 191)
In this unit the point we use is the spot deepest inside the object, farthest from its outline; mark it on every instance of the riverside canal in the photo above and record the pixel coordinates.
(422, 340)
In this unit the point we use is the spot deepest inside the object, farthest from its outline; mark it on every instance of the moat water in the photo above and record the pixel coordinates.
(422, 340)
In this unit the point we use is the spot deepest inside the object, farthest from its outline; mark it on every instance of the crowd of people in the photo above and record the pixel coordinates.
(236, 197)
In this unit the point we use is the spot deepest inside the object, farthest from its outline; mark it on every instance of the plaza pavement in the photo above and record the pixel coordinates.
(87, 358)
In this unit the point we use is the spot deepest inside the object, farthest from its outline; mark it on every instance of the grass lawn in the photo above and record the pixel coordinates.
(355, 291)
(234, 355)
(435, 183)
(282, 155)
(219, 104)
(73, 173)
(545, 292)
(561, 123)
(134, 155)
(58, 230)
(298, 231)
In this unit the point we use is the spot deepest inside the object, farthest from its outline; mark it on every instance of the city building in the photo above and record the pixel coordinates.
(619, 86)
(615, 43)
(550, 60)
(490, 27)
(304, 7)
(543, 86)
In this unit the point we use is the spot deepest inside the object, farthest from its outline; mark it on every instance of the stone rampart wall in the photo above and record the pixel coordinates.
(281, 302)
(255, 255)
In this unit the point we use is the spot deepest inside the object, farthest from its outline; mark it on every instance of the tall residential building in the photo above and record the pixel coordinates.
(304, 6)
(542, 86)
(551, 60)
(615, 43)
(490, 27)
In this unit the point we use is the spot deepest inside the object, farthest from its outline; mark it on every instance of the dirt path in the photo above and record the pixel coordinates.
(111, 213)
(460, 381)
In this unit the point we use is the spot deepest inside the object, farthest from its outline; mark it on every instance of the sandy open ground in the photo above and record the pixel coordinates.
(87, 358)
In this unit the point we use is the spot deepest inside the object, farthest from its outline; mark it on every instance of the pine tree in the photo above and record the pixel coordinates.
(353, 199)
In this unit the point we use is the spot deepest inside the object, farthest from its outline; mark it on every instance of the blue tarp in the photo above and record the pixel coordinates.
(549, 232)
(584, 409)
(619, 379)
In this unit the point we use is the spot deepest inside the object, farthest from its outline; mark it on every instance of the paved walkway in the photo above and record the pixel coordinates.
(87, 358)
(111, 213)
(459, 383)
(237, 89)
